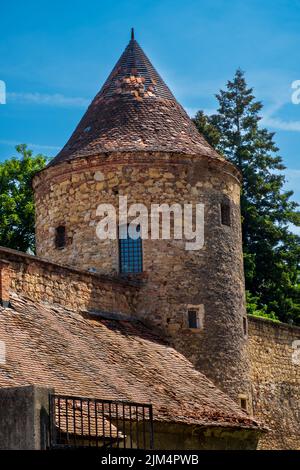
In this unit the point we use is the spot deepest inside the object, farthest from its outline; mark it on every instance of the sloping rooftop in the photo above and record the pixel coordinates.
(86, 356)
(134, 110)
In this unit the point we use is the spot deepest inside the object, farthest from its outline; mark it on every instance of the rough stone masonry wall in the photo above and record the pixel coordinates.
(275, 375)
(211, 278)
(42, 280)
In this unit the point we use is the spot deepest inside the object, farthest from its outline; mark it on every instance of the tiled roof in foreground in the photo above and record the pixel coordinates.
(134, 110)
(50, 346)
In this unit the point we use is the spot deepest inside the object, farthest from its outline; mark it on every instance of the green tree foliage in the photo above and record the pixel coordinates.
(16, 199)
(211, 132)
(254, 309)
(271, 250)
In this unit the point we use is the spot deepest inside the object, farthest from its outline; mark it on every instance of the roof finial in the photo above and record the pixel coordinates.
(132, 34)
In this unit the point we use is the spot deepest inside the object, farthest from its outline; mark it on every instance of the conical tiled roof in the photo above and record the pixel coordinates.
(134, 110)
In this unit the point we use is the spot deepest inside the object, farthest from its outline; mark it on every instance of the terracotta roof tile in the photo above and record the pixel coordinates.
(78, 412)
(134, 110)
(52, 346)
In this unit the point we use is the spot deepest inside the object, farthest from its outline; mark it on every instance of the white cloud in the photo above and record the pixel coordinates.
(294, 172)
(47, 100)
(30, 145)
(294, 229)
(293, 176)
(192, 111)
(271, 120)
(281, 124)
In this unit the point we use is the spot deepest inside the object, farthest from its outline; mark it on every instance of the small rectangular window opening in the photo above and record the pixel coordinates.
(225, 213)
(130, 252)
(244, 404)
(193, 319)
(60, 237)
(245, 326)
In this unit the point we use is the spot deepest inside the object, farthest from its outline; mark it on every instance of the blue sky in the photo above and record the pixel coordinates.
(56, 55)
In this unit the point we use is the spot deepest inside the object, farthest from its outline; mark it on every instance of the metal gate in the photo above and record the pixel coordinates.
(88, 422)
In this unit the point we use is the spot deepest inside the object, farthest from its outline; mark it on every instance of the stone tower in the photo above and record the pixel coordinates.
(136, 140)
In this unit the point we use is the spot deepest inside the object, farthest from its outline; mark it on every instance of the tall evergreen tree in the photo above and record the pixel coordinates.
(271, 250)
(16, 199)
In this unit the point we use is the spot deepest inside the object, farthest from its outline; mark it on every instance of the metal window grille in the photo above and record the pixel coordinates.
(130, 254)
(87, 422)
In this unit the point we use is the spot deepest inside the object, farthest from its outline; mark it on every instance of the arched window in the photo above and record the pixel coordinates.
(130, 251)
(60, 237)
